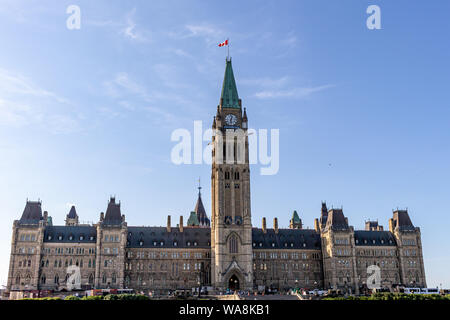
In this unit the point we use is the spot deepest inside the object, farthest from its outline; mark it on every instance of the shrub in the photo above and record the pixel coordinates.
(92, 298)
(72, 298)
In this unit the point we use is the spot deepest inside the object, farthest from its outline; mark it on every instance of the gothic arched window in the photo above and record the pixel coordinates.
(233, 244)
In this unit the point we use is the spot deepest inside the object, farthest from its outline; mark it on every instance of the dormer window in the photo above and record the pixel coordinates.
(356, 240)
(175, 243)
(154, 243)
(365, 241)
(304, 244)
(162, 243)
(91, 238)
(273, 244)
(49, 237)
(188, 243)
(292, 244)
(71, 237)
(81, 238)
(382, 241)
(195, 243)
(254, 244)
(260, 244)
(141, 243)
(60, 237)
(373, 241)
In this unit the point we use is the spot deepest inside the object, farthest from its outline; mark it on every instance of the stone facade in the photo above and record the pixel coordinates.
(226, 252)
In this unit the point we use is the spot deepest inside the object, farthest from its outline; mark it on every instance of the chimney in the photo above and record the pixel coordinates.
(102, 216)
(264, 225)
(391, 225)
(168, 224)
(181, 224)
(45, 216)
(275, 224)
(316, 225)
(123, 218)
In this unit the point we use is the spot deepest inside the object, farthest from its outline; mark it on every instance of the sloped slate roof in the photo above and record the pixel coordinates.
(201, 213)
(113, 216)
(66, 232)
(374, 238)
(72, 213)
(158, 237)
(336, 220)
(402, 220)
(286, 239)
(32, 213)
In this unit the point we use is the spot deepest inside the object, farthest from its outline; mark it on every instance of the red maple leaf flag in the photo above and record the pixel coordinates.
(225, 43)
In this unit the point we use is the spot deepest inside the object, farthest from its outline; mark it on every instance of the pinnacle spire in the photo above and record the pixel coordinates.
(200, 209)
(229, 97)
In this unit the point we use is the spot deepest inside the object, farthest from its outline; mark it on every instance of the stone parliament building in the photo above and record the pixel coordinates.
(226, 252)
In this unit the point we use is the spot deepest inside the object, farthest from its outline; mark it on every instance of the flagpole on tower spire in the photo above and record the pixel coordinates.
(228, 40)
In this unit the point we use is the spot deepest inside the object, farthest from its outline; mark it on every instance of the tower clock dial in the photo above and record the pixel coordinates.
(230, 119)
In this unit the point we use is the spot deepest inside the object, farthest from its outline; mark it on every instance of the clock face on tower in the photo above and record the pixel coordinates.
(230, 119)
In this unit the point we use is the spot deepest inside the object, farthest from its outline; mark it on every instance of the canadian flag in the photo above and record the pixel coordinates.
(225, 43)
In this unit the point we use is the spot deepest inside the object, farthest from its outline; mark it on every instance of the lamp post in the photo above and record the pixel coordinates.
(198, 283)
(296, 285)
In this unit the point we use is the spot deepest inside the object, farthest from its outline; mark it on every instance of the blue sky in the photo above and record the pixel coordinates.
(363, 114)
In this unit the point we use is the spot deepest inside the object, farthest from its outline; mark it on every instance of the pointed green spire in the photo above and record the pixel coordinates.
(295, 217)
(229, 97)
(193, 220)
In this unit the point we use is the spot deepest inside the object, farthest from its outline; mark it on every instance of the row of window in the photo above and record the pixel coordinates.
(285, 255)
(377, 252)
(27, 237)
(284, 266)
(342, 252)
(382, 263)
(175, 243)
(67, 262)
(71, 237)
(409, 242)
(236, 186)
(111, 238)
(165, 255)
(365, 241)
(341, 241)
(162, 267)
(111, 251)
(227, 175)
(273, 244)
(29, 250)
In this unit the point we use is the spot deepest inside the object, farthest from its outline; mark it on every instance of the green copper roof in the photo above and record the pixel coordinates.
(295, 217)
(229, 96)
(193, 220)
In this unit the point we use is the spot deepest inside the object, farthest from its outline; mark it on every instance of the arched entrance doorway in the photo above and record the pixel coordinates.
(233, 283)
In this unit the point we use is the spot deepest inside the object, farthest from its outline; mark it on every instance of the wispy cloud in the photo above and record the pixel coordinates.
(299, 92)
(210, 33)
(130, 31)
(132, 96)
(13, 83)
(23, 103)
